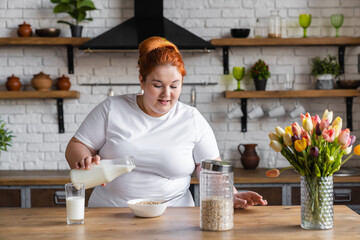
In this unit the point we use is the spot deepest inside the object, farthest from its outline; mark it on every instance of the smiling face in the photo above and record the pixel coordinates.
(162, 88)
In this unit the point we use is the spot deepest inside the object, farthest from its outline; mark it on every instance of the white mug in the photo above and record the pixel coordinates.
(277, 111)
(298, 108)
(256, 112)
(235, 112)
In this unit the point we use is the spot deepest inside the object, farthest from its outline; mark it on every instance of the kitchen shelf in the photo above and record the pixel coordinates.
(349, 94)
(48, 41)
(58, 95)
(341, 42)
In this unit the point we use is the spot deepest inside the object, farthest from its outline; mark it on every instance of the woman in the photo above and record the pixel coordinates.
(167, 138)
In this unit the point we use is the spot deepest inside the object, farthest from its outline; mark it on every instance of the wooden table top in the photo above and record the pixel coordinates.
(60, 177)
(260, 222)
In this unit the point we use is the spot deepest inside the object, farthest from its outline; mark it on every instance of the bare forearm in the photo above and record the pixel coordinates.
(76, 152)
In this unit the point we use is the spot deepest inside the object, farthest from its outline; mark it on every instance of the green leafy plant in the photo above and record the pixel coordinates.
(5, 137)
(260, 70)
(75, 8)
(327, 65)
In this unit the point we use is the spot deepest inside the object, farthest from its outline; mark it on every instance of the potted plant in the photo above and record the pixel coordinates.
(5, 137)
(325, 71)
(260, 73)
(77, 9)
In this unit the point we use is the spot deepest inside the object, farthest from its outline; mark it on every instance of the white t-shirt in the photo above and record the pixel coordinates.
(165, 149)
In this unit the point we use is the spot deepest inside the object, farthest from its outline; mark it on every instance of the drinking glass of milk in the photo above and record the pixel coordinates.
(75, 203)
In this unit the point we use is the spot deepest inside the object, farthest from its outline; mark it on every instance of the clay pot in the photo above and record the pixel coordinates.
(41, 82)
(24, 30)
(63, 83)
(13, 83)
(249, 157)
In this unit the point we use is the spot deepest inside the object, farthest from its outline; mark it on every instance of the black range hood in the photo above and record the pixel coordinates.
(148, 21)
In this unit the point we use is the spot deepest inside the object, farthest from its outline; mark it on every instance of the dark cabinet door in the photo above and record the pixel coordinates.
(10, 197)
(273, 195)
(46, 197)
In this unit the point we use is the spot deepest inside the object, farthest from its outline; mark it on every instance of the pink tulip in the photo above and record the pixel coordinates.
(324, 124)
(315, 120)
(306, 136)
(344, 138)
(296, 129)
(353, 138)
(329, 135)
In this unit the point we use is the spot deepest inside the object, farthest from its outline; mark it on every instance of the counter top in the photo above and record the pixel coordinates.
(260, 222)
(241, 176)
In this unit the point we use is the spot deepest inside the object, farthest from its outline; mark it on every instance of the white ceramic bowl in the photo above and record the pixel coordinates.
(151, 210)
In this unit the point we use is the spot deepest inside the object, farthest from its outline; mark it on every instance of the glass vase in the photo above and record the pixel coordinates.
(317, 202)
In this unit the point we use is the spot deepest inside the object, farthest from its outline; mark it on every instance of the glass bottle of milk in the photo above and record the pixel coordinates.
(105, 172)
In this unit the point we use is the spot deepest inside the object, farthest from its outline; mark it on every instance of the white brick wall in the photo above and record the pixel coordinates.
(38, 145)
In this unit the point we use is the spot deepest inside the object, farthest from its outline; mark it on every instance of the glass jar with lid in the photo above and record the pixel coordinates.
(274, 25)
(216, 196)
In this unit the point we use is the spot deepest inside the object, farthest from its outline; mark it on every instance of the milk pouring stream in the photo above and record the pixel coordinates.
(105, 172)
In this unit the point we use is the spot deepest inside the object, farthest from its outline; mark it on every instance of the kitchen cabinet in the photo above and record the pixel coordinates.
(10, 197)
(42, 196)
(58, 95)
(69, 43)
(37, 188)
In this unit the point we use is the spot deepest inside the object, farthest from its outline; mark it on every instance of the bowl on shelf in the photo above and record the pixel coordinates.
(240, 32)
(48, 32)
(147, 207)
(348, 84)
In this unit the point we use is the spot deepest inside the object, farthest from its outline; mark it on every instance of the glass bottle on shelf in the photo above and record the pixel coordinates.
(274, 25)
(260, 29)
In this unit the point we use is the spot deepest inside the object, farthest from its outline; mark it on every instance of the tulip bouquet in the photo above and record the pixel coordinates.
(315, 150)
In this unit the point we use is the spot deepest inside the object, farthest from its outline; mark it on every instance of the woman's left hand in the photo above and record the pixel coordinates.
(246, 199)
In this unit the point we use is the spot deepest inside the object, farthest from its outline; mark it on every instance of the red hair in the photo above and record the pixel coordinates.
(156, 51)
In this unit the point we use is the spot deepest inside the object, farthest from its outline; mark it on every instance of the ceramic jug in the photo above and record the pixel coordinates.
(63, 83)
(13, 83)
(24, 30)
(249, 157)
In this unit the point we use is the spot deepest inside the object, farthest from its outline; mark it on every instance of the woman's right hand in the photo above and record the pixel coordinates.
(86, 162)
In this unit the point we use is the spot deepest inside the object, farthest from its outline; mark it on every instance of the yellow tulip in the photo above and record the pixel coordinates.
(337, 130)
(288, 130)
(337, 122)
(300, 145)
(307, 124)
(275, 145)
(287, 139)
(357, 150)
